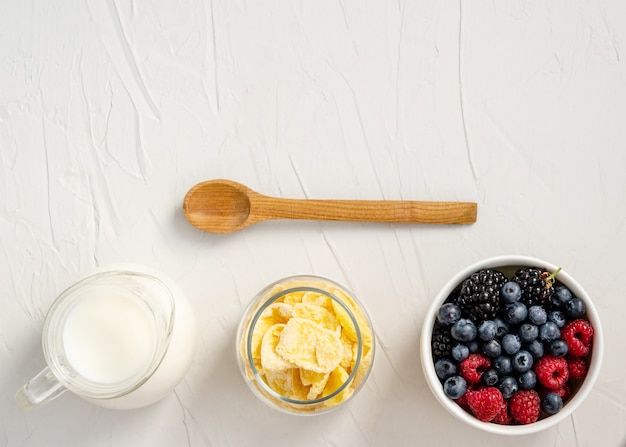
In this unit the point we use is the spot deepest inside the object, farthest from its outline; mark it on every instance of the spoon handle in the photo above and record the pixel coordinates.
(393, 211)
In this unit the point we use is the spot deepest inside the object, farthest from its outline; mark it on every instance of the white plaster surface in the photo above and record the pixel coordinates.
(111, 110)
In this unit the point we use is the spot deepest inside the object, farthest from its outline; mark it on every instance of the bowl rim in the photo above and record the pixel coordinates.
(428, 365)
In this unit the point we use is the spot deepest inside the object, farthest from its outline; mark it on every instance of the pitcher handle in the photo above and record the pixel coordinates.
(40, 390)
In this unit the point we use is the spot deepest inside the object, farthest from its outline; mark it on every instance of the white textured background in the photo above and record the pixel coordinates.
(111, 110)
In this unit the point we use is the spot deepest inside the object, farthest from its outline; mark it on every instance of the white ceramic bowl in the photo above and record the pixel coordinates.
(501, 262)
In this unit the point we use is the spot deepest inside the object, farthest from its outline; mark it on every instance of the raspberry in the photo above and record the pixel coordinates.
(525, 406)
(565, 392)
(578, 335)
(577, 368)
(504, 416)
(552, 372)
(462, 401)
(473, 367)
(485, 403)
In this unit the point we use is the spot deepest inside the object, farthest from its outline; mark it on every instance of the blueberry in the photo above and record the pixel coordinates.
(503, 327)
(449, 314)
(575, 308)
(511, 343)
(535, 348)
(527, 380)
(528, 332)
(463, 330)
(549, 331)
(515, 313)
(552, 403)
(508, 386)
(454, 387)
(490, 377)
(557, 317)
(522, 361)
(445, 368)
(561, 296)
(473, 346)
(537, 315)
(510, 292)
(558, 348)
(503, 365)
(460, 352)
(487, 330)
(492, 348)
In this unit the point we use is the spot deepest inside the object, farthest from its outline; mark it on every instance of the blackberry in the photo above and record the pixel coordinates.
(536, 284)
(479, 297)
(441, 342)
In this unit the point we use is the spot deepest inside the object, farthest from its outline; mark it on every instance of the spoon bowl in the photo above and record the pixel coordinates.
(218, 206)
(224, 206)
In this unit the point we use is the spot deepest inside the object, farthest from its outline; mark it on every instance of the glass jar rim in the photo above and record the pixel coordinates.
(258, 314)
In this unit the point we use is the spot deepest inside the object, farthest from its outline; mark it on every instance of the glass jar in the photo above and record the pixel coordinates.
(305, 345)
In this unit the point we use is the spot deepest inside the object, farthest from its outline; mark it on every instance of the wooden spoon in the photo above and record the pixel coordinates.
(224, 206)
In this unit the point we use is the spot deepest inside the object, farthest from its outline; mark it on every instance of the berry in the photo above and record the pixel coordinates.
(444, 368)
(455, 387)
(511, 343)
(449, 314)
(460, 352)
(504, 416)
(557, 317)
(463, 330)
(527, 380)
(503, 327)
(575, 308)
(565, 391)
(492, 348)
(503, 365)
(537, 315)
(515, 312)
(441, 342)
(525, 406)
(552, 403)
(480, 294)
(462, 401)
(485, 403)
(536, 288)
(487, 330)
(558, 348)
(535, 348)
(508, 386)
(578, 368)
(473, 367)
(511, 292)
(549, 331)
(561, 296)
(552, 372)
(522, 361)
(578, 335)
(528, 332)
(473, 346)
(490, 377)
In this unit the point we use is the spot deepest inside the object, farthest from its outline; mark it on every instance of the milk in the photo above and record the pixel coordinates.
(109, 339)
(175, 363)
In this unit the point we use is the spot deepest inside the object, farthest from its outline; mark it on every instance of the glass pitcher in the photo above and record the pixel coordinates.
(121, 338)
